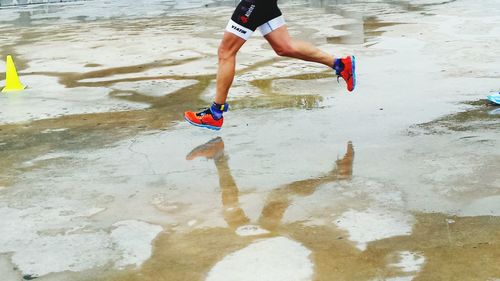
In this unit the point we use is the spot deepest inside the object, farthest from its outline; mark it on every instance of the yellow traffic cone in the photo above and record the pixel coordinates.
(12, 82)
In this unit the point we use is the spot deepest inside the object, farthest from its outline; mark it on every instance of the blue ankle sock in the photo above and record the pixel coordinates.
(218, 109)
(338, 65)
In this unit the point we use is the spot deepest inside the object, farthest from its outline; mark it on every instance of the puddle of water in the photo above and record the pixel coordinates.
(205, 253)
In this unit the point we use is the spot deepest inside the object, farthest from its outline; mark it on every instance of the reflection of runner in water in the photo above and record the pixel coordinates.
(269, 224)
(278, 201)
(196, 253)
(266, 16)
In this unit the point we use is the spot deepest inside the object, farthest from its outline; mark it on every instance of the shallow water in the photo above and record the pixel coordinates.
(101, 179)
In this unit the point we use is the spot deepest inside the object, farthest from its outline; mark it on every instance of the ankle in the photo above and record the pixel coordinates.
(218, 109)
(338, 65)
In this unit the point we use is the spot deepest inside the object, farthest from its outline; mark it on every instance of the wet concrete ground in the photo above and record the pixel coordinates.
(101, 179)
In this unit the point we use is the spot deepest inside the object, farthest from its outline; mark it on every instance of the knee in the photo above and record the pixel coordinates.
(224, 52)
(285, 50)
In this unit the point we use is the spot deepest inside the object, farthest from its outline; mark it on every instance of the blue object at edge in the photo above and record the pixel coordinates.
(494, 98)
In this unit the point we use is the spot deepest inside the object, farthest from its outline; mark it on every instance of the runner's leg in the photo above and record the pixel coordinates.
(228, 49)
(276, 33)
(284, 45)
(238, 30)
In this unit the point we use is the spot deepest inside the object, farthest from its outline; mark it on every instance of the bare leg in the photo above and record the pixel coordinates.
(228, 49)
(284, 45)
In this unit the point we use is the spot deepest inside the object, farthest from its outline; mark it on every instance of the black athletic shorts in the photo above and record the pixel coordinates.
(252, 14)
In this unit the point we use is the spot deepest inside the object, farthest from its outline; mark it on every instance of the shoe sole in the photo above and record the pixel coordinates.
(353, 62)
(202, 125)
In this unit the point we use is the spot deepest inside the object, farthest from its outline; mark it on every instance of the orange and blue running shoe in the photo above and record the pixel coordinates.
(210, 118)
(346, 68)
